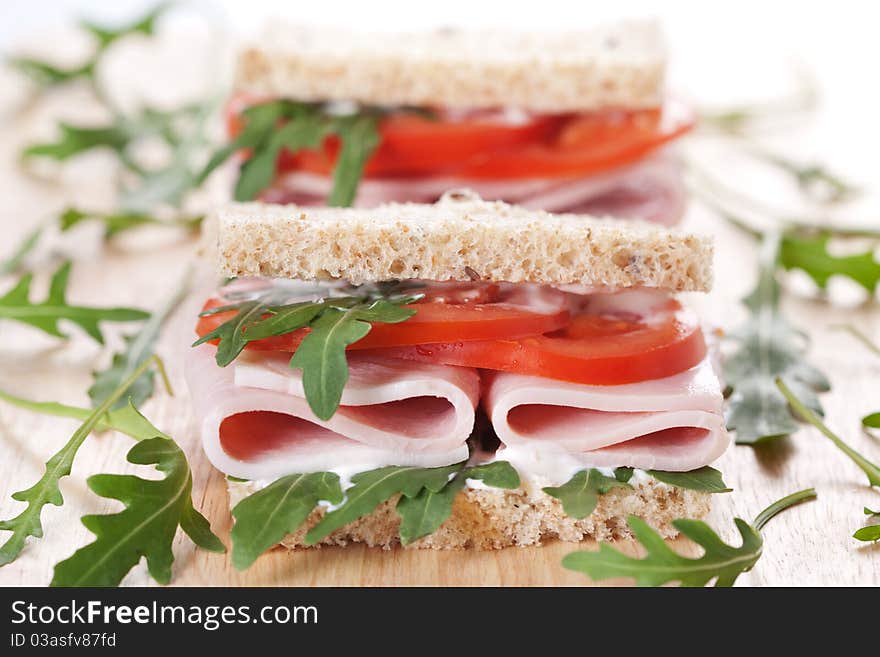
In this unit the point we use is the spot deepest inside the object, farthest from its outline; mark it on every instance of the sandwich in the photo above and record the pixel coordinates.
(463, 374)
(573, 122)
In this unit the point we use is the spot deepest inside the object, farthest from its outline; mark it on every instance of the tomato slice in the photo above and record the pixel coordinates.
(496, 145)
(592, 349)
(459, 312)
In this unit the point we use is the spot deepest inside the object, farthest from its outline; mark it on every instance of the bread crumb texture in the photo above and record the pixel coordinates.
(614, 66)
(451, 239)
(490, 519)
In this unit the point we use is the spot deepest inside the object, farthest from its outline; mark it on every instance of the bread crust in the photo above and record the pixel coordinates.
(490, 519)
(614, 66)
(451, 240)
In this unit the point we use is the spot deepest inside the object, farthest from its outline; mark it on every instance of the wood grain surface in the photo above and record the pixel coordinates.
(809, 545)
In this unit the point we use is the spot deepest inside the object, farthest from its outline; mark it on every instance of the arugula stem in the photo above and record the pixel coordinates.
(781, 505)
(871, 470)
(706, 185)
(858, 335)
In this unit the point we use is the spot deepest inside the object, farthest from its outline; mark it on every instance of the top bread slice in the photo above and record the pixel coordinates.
(459, 238)
(615, 66)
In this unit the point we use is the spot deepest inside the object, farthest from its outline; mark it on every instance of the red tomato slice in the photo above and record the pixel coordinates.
(592, 349)
(492, 145)
(448, 312)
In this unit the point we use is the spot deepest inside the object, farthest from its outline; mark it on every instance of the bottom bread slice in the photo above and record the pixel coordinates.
(493, 518)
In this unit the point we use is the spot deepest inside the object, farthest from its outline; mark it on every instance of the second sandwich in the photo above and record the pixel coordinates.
(447, 370)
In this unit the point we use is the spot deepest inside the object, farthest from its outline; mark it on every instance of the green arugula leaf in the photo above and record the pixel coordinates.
(423, 514)
(321, 354)
(46, 490)
(45, 315)
(46, 75)
(154, 509)
(305, 125)
(231, 333)
(334, 323)
(580, 494)
(267, 516)
(13, 263)
(76, 139)
(114, 223)
(768, 347)
(284, 319)
(258, 171)
(705, 479)
(372, 488)
(126, 419)
(870, 469)
(360, 137)
(810, 254)
(145, 25)
(321, 357)
(139, 347)
(869, 533)
(662, 564)
(872, 420)
(623, 474)
(259, 126)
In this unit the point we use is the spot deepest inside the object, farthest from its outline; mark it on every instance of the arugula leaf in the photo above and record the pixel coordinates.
(154, 509)
(46, 490)
(719, 561)
(360, 137)
(870, 469)
(705, 479)
(267, 516)
(258, 171)
(45, 315)
(305, 125)
(46, 75)
(321, 357)
(145, 25)
(423, 514)
(869, 532)
(28, 244)
(334, 323)
(231, 333)
(321, 354)
(372, 488)
(126, 419)
(74, 140)
(139, 347)
(872, 420)
(768, 348)
(114, 223)
(580, 494)
(623, 474)
(259, 125)
(810, 254)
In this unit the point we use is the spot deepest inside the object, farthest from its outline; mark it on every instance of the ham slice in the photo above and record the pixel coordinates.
(256, 424)
(671, 424)
(651, 190)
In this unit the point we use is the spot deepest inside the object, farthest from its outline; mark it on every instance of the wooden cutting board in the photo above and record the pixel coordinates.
(810, 545)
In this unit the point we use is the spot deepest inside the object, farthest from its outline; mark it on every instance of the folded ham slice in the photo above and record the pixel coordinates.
(256, 424)
(651, 190)
(671, 424)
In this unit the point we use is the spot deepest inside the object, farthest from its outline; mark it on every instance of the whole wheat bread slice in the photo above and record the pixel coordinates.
(615, 66)
(490, 519)
(458, 238)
